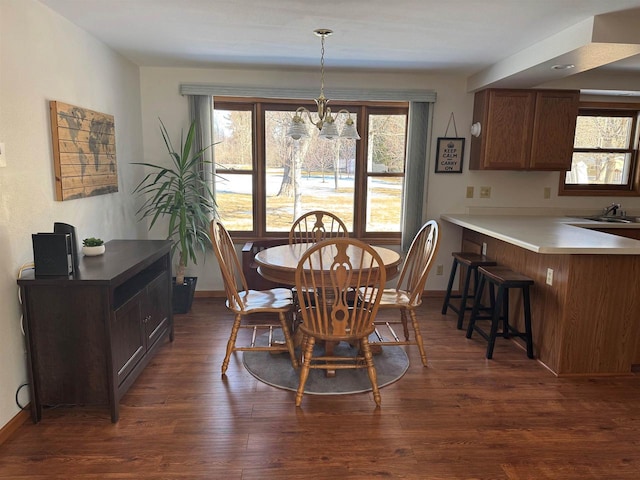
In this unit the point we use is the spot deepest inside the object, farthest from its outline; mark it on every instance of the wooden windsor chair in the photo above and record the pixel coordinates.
(407, 295)
(335, 267)
(245, 302)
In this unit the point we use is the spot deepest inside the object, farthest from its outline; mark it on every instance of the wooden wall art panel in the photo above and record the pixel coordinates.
(84, 152)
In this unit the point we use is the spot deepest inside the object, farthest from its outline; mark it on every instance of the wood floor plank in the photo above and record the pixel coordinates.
(463, 417)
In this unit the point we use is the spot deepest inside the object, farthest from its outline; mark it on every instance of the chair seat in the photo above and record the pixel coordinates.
(266, 300)
(504, 276)
(392, 298)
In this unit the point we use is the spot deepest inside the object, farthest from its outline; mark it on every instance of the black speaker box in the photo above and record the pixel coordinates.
(59, 227)
(52, 254)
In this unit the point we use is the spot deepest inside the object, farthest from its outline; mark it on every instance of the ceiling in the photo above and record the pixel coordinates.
(507, 43)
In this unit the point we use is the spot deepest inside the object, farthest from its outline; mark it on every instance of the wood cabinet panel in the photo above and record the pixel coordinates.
(508, 123)
(554, 130)
(524, 129)
(127, 332)
(156, 309)
(601, 318)
(66, 350)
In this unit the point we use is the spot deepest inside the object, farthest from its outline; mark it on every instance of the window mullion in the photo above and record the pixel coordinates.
(360, 187)
(259, 209)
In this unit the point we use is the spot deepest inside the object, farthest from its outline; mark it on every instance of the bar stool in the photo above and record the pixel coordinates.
(504, 279)
(471, 261)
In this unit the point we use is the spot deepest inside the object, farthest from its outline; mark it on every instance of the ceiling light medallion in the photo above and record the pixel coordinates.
(326, 122)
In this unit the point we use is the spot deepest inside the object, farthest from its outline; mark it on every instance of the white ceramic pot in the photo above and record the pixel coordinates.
(93, 251)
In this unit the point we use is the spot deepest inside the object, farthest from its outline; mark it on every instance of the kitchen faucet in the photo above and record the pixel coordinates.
(612, 209)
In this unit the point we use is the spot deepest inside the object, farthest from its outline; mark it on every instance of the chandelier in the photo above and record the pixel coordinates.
(326, 121)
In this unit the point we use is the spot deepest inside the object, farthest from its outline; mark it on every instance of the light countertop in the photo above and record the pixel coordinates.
(554, 235)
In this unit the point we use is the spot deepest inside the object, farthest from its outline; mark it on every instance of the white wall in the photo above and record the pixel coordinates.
(43, 57)
(520, 192)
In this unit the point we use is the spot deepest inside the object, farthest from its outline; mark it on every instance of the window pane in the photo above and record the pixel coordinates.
(307, 174)
(384, 204)
(232, 129)
(599, 169)
(603, 132)
(386, 143)
(234, 194)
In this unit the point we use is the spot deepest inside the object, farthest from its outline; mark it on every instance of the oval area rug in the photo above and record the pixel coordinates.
(276, 370)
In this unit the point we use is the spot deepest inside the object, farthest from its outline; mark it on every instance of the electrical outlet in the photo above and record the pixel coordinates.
(484, 248)
(469, 192)
(485, 192)
(549, 276)
(547, 192)
(439, 269)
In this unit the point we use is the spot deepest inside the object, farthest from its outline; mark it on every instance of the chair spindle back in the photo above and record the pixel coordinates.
(326, 276)
(315, 226)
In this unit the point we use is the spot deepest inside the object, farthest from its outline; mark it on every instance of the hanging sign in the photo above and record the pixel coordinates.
(450, 151)
(449, 155)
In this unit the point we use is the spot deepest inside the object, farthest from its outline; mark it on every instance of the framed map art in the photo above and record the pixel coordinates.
(84, 152)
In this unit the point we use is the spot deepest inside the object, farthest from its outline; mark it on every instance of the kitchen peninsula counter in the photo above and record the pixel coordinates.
(561, 235)
(588, 320)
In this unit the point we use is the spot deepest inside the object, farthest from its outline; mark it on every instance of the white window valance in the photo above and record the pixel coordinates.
(346, 94)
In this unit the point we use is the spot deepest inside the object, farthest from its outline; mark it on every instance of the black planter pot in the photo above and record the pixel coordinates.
(183, 294)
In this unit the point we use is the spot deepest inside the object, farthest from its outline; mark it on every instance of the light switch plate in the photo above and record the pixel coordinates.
(469, 192)
(485, 192)
(549, 276)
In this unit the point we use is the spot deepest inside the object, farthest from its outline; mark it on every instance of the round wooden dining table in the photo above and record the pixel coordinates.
(279, 263)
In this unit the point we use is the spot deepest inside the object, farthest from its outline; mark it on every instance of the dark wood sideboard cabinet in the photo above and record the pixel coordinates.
(89, 336)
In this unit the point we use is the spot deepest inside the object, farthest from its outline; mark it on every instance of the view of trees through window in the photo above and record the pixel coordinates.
(602, 150)
(265, 180)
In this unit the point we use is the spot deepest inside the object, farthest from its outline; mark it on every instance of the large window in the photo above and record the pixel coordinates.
(605, 152)
(265, 180)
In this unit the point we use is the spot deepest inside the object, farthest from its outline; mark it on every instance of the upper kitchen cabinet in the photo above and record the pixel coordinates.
(524, 129)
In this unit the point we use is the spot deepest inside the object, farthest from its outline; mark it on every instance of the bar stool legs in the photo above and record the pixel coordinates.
(472, 261)
(504, 279)
(527, 321)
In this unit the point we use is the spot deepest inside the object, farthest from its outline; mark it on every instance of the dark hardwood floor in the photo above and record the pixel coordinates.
(463, 417)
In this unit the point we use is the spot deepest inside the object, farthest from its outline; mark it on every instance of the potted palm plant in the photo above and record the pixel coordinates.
(178, 191)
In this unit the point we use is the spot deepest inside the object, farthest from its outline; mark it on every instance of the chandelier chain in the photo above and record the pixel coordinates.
(322, 66)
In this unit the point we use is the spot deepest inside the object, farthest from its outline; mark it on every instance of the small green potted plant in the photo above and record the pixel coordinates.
(179, 192)
(92, 246)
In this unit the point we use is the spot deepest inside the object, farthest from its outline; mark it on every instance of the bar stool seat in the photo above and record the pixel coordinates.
(505, 279)
(472, 261)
